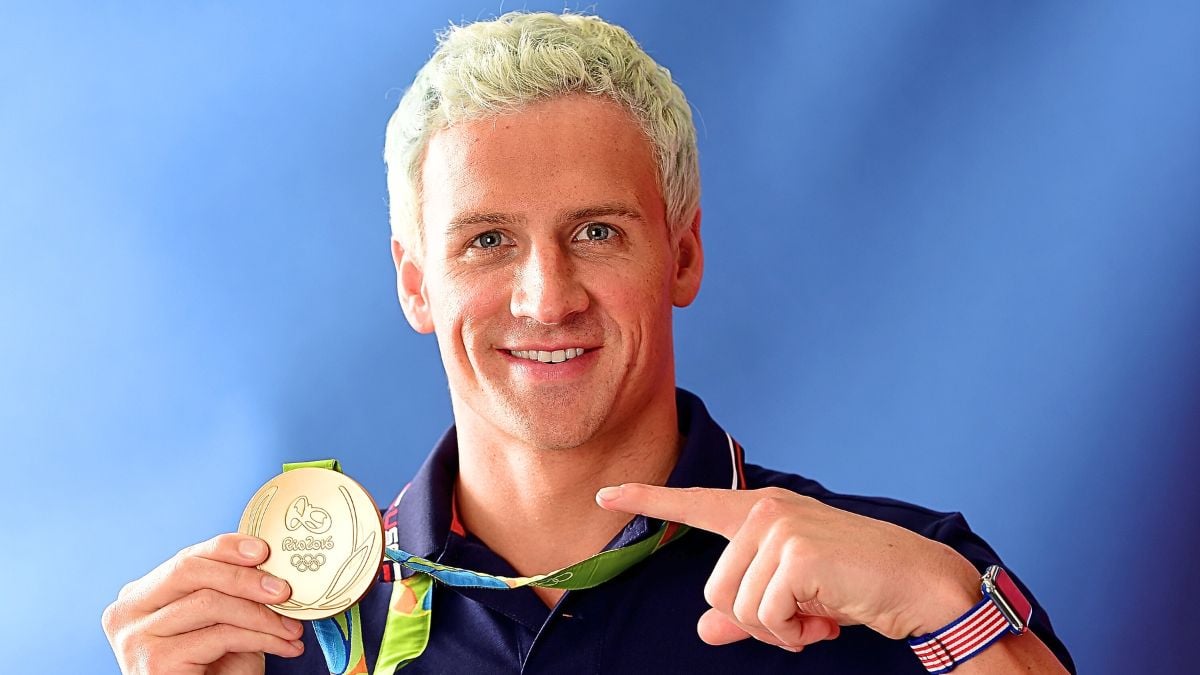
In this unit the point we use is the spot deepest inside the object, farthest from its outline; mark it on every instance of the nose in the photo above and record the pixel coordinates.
(546, 288)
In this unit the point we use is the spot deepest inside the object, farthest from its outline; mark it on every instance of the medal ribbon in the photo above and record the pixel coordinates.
(406, 632)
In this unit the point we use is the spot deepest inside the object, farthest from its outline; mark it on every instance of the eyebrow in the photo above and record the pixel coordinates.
(601, 211)
(480, 218)
(474, 218)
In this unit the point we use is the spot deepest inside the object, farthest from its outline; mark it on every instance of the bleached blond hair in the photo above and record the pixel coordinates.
(494, 67)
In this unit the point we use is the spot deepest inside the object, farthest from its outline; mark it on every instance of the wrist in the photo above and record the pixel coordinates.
(1002, 609)
(953, 590)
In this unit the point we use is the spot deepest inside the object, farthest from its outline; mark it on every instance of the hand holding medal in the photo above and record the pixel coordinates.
(316, 539)
(204, 610)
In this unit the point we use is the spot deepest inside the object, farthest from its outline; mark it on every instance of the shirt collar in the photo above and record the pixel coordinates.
(419, 520)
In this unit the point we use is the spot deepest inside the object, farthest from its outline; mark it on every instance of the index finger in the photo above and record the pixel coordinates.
(225, 563)
(718, 511)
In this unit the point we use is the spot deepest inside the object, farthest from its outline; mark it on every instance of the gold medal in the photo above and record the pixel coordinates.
(325, 536)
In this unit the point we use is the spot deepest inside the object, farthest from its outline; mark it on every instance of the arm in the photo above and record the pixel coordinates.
(796, 569)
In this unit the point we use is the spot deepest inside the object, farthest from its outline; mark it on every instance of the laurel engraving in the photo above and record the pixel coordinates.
(361, 556)
(357, 560)
(258, 510)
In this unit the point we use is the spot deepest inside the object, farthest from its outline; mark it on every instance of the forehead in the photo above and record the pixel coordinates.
(567, 152)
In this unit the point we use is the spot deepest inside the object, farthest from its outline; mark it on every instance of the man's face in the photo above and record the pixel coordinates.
(545, 240)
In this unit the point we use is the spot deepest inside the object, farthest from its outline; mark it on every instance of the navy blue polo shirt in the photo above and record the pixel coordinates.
(645, 619)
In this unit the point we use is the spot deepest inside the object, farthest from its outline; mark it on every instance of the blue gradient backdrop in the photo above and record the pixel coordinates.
(953, 257)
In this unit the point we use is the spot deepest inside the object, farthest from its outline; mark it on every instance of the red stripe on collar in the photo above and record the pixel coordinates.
(456, 525)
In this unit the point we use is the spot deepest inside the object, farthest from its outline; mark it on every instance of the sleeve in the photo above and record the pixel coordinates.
(953, 531)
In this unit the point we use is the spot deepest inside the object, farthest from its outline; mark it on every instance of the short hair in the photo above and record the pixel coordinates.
(498, 66)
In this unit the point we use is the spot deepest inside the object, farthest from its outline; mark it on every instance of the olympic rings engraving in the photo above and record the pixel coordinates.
(307, 562)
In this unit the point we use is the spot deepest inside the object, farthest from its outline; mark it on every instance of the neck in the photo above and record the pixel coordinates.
(536, 507)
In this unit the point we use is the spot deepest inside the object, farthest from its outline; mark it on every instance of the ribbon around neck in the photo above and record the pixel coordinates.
(406, 631)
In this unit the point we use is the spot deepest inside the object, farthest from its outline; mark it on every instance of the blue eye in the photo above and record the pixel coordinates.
(488, 240)
(595, 232)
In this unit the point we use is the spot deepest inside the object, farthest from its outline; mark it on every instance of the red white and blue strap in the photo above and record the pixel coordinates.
(942, 650)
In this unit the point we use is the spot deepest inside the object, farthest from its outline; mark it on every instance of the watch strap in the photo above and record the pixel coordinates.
(973, 632)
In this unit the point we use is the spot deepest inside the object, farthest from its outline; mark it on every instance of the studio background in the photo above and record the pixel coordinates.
(952, 257)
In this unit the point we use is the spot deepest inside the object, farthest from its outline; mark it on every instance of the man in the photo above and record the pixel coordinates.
(545, 218)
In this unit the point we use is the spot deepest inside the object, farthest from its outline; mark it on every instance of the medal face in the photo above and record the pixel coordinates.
(325, 535)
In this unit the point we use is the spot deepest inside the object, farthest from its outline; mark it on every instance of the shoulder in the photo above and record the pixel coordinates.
(947, 527)
(911, 516)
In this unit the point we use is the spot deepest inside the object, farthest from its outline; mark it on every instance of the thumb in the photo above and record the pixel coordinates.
(717, 629)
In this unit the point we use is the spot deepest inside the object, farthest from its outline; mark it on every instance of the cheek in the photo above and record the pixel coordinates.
(464, 308)
(640, 306)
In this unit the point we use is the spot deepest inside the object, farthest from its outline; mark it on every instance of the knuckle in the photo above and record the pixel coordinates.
(710, 593)
(714, 595)
(188, 551)
(121, 648)
(795, 550)
(764, 619)
(125, 639)
(226, 542)
(182, 565)
(768, 507)
(265, 616)
(777, 492)
(151, 659)
(246, 580)
(224, 633)
(204, 601)
(108, 619)
(126, 590)
(745, 612)
(777, 625)
(206, 547)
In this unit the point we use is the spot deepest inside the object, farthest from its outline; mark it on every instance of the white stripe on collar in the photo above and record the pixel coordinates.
(733, 459)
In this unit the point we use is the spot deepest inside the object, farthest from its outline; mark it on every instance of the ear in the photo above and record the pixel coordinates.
(410, 287)
(689, 264)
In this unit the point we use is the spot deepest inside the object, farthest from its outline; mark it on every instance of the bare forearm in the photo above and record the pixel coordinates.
(1014, 654)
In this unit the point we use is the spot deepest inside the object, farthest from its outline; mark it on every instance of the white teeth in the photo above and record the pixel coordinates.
(556, 356)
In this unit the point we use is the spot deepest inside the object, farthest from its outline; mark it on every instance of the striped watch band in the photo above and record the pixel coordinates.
(1003, 609)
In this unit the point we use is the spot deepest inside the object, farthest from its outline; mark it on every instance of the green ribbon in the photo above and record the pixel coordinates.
(406, 631)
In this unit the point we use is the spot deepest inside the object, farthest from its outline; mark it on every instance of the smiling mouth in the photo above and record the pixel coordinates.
(556, 356)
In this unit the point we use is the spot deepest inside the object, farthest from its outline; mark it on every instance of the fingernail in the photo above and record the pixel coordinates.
(272, 585)
(292, 625)
(299, 645)
(250, 549)
(609, 493)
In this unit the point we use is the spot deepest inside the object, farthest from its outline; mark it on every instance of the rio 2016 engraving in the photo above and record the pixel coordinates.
(307, 544)
(307, 562)
(300, 513)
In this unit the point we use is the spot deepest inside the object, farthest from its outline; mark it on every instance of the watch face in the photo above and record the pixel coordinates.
(1011, 596)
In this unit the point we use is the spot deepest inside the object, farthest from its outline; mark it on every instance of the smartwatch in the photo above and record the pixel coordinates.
(1003, 609)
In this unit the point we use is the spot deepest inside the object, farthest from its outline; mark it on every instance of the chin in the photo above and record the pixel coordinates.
(560, 435)
(556, 431)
